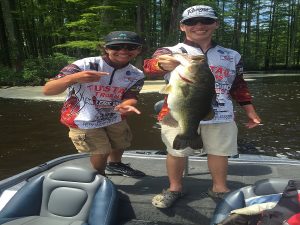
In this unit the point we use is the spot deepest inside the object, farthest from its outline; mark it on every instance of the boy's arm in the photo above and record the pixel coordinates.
(253, 119)
(63, 81)
(153, 67)
(127, 107)
(130, 99)
(240, 92)
(57, 86)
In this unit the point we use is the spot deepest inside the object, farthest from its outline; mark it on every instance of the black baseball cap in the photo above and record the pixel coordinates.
(120, 37)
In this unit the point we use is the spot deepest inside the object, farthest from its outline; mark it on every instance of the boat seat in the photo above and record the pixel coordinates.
(158, 106)
(68, 195)
(262, 191)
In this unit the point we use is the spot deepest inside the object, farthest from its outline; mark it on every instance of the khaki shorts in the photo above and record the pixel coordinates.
(218, 139)
(102, 140)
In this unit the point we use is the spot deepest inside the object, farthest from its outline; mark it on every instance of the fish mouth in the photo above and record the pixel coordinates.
(186, 79)
(197, 57)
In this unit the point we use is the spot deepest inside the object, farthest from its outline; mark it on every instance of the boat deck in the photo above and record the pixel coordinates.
(196, 207)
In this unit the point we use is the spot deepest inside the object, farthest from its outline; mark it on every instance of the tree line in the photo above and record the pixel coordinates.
(38, 37)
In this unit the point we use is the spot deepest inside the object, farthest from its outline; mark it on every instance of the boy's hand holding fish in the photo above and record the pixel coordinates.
(167, 62)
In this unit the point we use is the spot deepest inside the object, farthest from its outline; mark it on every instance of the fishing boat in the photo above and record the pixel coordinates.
(67, 190)
(25, 197)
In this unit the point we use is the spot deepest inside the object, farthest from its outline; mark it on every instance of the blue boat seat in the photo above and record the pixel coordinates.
(260, 192)
(158, 106)
(68, 195)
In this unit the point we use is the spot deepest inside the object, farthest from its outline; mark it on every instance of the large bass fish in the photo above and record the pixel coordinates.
(191, 90)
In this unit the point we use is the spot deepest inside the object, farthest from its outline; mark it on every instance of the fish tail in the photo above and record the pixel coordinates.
(182, 142)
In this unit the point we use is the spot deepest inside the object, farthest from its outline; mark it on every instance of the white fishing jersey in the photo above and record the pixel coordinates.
(223, 64)
(91, 105)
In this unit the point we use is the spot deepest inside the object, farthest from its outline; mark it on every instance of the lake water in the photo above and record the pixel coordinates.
(31, 133)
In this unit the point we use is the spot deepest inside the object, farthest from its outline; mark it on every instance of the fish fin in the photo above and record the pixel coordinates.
(166, 89)
(169, 120)
(210, 115)
(182, 142)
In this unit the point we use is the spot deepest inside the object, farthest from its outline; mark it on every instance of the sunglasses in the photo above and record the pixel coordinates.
(118, 47)
(202, 20)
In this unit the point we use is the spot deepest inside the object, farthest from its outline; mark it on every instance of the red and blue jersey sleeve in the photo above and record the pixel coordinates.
(151, 66)
(239, 90)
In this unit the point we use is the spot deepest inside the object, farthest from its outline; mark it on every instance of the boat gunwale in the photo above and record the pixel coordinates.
(142, 154)
(18, 178)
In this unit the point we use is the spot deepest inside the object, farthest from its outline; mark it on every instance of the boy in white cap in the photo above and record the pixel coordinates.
(219, 135)
(101, 92)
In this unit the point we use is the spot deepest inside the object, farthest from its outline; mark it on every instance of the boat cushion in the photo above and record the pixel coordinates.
(39, 220)
(27, 201)
(73, 174)
(66, 195)
(66, 201)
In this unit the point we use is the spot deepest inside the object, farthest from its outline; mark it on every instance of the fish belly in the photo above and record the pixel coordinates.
(188, 112)
(191, 92)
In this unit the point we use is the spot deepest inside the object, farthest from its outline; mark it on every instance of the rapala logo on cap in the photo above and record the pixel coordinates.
(192, 10)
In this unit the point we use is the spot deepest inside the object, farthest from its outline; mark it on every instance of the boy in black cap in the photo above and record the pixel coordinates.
(101, 92)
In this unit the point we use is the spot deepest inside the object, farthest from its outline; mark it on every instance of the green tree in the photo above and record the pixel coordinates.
(265, 32)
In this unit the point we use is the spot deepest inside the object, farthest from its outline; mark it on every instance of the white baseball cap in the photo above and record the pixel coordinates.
(199, 11)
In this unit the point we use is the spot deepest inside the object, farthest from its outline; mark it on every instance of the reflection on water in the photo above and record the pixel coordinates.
(277, 102)
(31, 133)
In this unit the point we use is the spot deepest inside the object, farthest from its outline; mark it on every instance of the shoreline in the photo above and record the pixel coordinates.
(35, 92)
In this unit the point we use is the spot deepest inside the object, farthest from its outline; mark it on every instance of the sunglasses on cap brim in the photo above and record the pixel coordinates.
(202, 20)
(118, 47)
